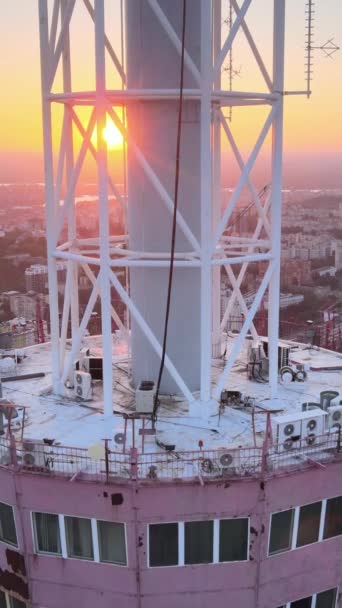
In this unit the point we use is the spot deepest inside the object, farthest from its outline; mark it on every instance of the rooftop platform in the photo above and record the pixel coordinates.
(205, 430)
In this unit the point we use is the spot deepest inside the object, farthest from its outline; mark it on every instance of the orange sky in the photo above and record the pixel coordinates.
(313, 129)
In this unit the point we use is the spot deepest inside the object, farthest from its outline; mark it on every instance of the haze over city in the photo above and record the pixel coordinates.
(313, 128)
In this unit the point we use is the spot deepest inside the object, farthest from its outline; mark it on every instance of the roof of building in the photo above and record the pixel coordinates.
(71, 422)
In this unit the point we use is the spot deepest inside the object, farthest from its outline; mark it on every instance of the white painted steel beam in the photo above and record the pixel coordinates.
(210, 247)
(276, 190)
(102, 173)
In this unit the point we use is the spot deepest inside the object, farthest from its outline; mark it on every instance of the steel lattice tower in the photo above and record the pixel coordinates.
(203, 247)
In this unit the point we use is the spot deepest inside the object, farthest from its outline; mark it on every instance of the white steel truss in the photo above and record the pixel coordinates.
(101, 258)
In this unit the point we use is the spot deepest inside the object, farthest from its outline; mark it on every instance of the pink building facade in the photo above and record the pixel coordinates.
(256, 580)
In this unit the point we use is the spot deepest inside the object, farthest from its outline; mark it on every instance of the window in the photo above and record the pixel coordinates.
(199, 542)
(7, 601)
(305, 525)
(112, 542)
(47, 533)
(14, 603)
(233, 540)
(303, 603)
(163, 544)
(281, 531)
(308, 526)
(333, 517)
(7, 525)
(79, 538)
(326, 599)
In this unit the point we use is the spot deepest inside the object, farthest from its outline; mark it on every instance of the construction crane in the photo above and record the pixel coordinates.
(331, 328)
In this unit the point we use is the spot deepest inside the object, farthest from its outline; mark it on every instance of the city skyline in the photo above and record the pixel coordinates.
(313, 128)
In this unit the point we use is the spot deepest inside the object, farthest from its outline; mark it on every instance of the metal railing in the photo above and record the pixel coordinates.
(201, 465)
(306, 452)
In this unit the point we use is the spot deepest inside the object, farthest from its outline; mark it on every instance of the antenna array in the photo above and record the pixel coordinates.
(328, 48)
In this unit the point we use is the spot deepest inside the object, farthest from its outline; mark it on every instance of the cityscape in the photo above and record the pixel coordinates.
(171, 304)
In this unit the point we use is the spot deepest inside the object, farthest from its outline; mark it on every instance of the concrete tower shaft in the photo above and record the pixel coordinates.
(154, 63)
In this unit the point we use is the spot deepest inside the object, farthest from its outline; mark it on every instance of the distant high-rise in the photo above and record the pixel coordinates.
(36, 277)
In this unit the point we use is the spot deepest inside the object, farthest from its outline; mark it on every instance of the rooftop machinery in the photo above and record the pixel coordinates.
(150, 96)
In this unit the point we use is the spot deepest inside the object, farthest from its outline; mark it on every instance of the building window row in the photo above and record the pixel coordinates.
(305, 525)
(325, 599)
(80, 538)
(8, 601)
(198, 542)
(170, 544)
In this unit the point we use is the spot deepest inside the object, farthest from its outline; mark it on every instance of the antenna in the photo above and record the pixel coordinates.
(229, 66)
(328, 48)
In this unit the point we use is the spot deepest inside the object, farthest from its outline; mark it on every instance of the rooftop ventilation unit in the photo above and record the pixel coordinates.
(288, 432)
(33, 455)
(82, 385)
(313, 426)
(93, 366)
(310, 405)
(145, 396)
(283, 353)
(328, 398)
(291, 428)
(229, 463)
(335, 417)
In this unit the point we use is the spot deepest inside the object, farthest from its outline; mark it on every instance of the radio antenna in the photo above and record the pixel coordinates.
(328, 48)
(229, 65)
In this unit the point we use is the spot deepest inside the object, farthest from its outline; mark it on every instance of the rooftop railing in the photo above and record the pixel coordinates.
(201, 465)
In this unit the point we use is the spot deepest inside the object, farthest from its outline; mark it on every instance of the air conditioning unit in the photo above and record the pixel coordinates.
(71, 376)
(288, 431)
(228, 463)
(329, 398)
(93, 366)
(33, 455)
(313, 426)
(283, 353)
(82, 385)
(145, 396)
(335, 417)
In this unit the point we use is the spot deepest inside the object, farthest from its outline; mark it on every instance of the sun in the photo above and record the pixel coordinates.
(112, 135)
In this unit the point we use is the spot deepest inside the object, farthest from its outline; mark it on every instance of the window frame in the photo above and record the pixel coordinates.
(314, 598)
(14, 513)
(95, 549)
(216, 542)
(179, 538)
(324, 506)
(294, 536)
(35, 537)
(8, 600)
(291, 535)
(98, 543)
(63, 538)
(237, 561)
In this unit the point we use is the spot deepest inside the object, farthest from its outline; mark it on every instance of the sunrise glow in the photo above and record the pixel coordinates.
(112, 136)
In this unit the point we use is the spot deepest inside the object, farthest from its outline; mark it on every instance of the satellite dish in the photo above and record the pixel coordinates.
(96, 451)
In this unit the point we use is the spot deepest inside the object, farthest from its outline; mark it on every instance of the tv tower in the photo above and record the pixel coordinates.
(151, 97)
